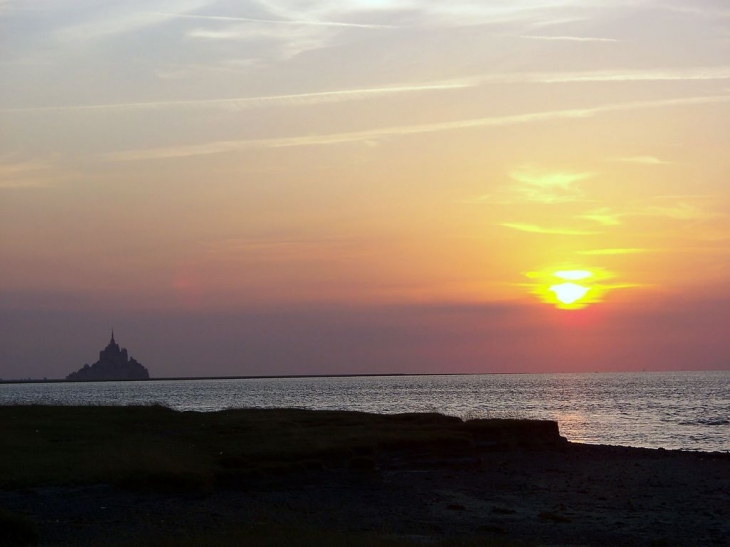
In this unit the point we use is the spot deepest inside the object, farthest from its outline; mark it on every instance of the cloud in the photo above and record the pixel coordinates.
(305, 99)
(643, 160)
(548, 186)
(568, 38)
(124, 18)
(218, 147)
(33, 173)
(721, 72)
(275, 42)
(535, 229)
(287, 22)
(702, 11)
(245, 103)
(532, 12)
(671, 74)
(681, 210)
(603, 216)
(611, 252)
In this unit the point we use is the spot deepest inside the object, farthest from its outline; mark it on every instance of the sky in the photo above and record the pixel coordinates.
(275, 187)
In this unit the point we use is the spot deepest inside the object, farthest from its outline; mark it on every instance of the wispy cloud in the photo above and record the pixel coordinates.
(217, 147)
(643, 160)
(548, 186)
(604, 216)
(244, 103)
(568, 38)
(287, 22)
(124, 18)
(532, 184)
(303, 99)
(611, 252)
(28, 173)
(535, 229)
(531, 12)
(704, 11)
(679, 210)
(721, 72)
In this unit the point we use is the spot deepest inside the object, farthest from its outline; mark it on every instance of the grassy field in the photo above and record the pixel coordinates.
(155, 447)
(153, 477)
(152, 448)
(307, 537)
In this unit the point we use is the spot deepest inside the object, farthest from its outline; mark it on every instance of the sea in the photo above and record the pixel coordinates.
(670, 410)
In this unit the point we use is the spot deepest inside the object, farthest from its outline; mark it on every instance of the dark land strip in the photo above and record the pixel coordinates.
(152, 476)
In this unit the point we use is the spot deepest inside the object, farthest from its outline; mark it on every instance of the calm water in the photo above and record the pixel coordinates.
(684, 410)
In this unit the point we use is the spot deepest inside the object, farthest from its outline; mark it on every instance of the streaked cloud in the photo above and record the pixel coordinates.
(704, 11)
(535, 229)
(244, 103)
(611, 252)
(679, 210)
(375, 134)
(287, 22)
(124, 18)
(643, 160)
(28, 173)
(275, 42)
(603, 216)
(721, 72)
(550, 187)
(304, 99)
(568, 38)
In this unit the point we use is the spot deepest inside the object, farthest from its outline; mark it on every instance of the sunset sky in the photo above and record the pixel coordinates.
(364, 186)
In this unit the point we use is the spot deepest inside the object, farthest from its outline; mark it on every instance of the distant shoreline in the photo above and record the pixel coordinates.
(362, 375)
(273, 377)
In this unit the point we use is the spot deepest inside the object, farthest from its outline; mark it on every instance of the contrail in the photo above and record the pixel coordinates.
(300, 22)
(242, 103)
(374, 134)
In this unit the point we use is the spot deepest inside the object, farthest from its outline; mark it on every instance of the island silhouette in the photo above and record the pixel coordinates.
(114, 364)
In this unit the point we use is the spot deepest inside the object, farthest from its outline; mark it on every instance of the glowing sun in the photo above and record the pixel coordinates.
(569, 293)
(570, 289)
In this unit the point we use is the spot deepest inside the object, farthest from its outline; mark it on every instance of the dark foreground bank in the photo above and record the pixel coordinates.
(153, 476)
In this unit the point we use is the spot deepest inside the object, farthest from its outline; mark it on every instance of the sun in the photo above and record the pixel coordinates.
(570, 288)
(569, 293)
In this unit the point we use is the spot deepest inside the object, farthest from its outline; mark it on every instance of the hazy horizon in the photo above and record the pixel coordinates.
(286, 187)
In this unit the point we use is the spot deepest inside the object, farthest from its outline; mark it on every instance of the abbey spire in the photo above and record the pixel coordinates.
(114, 364)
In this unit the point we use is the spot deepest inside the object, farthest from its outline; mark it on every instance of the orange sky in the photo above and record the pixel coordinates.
(277, 187)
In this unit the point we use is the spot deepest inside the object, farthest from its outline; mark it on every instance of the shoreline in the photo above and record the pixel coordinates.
(140, 473)
(357, 375)
(688, 450)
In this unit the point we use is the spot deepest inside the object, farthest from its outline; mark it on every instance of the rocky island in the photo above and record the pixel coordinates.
(114, 364)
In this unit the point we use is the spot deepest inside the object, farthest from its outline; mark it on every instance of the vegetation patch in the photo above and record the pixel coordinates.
(156, 448)
(267, 536)
(554, 517)
(17, 530)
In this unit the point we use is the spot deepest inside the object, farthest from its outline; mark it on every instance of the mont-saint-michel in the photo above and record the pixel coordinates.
(114, 364)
